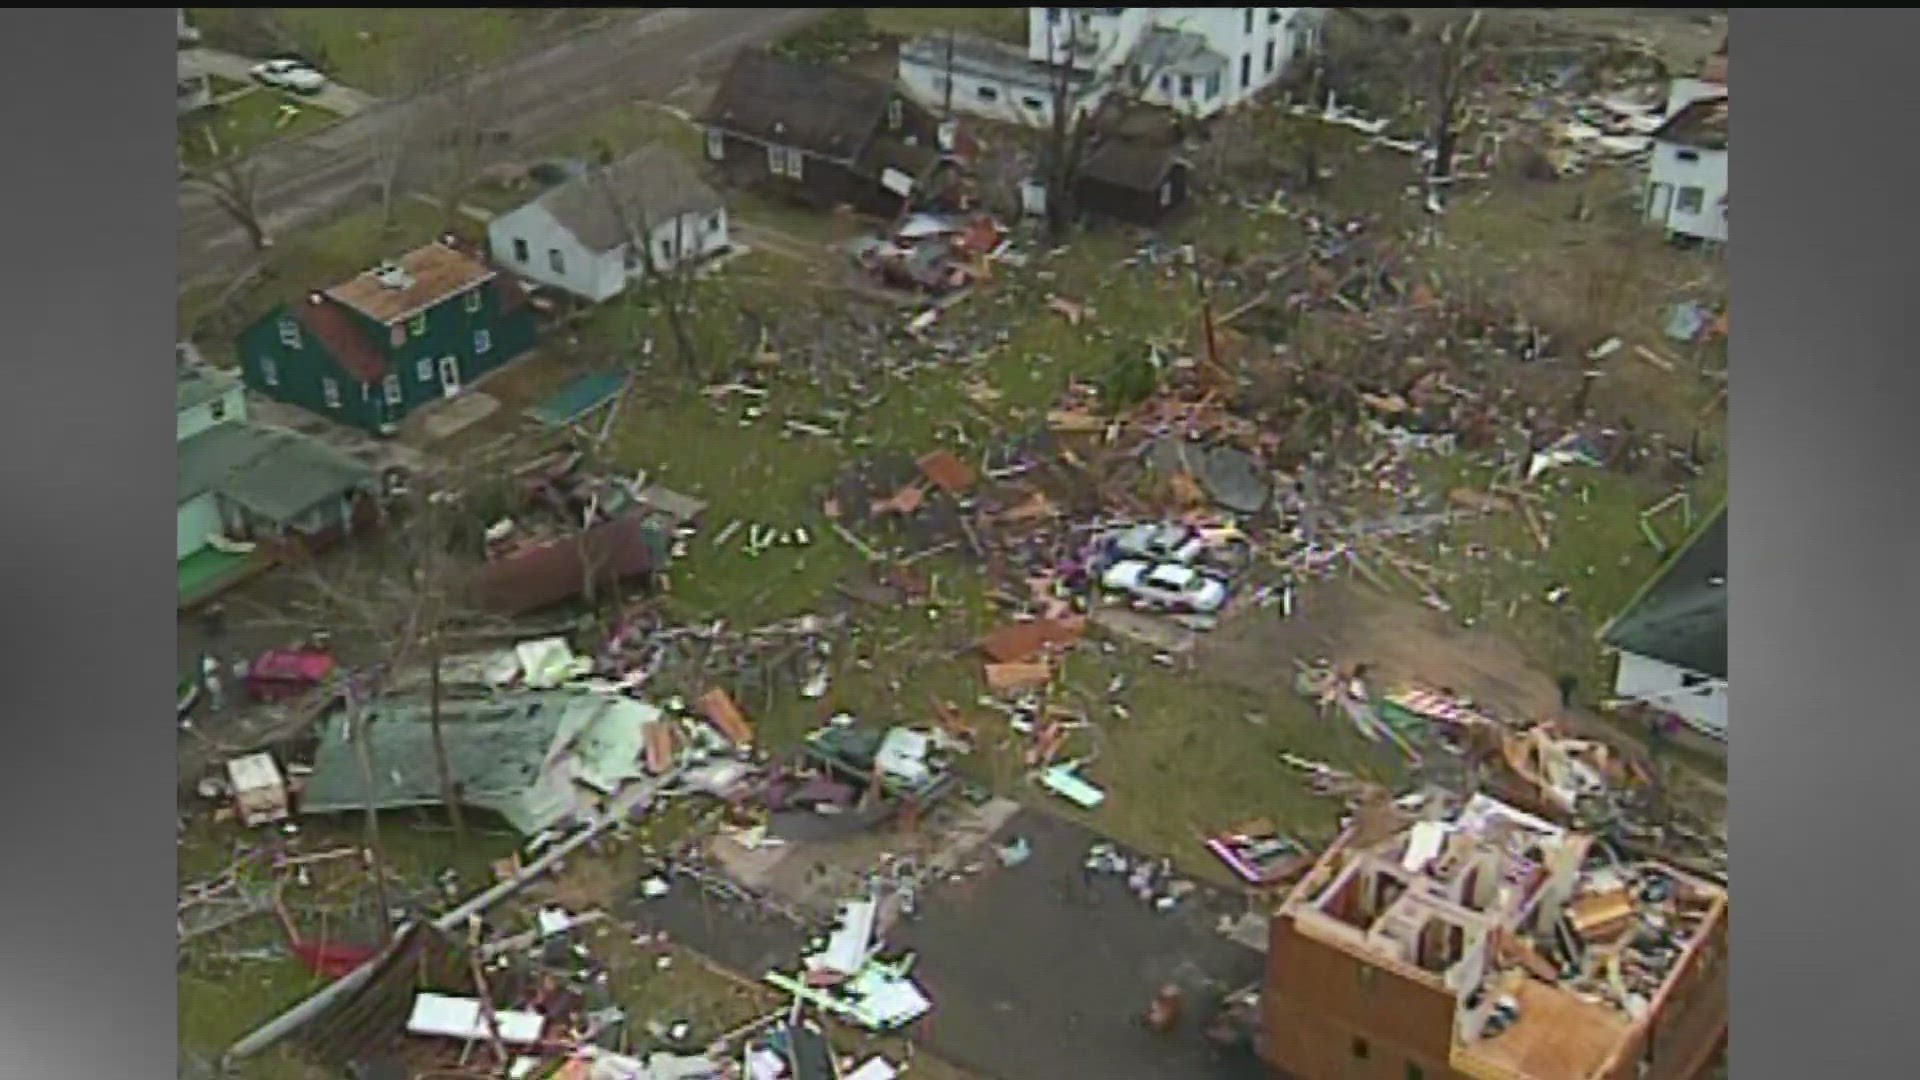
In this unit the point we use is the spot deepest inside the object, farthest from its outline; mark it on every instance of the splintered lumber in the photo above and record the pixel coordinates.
(718, 707)
(1023, 641)
(1007, 678)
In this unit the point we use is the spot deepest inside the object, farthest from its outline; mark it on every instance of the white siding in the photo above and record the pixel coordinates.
(1006, 102)
(1670, 175)
(1239, 35)
(1664, 686)
(581, 270)
(231, 405)
(194, 521)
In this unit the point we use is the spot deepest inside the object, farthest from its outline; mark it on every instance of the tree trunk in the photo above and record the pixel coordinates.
(362, 750)
(449, 787)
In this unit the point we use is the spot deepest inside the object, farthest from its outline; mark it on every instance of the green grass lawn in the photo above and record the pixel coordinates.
(379, 50)
(247, 123)
(1004, 24)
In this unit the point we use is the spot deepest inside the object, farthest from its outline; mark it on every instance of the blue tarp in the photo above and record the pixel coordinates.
(578, 398)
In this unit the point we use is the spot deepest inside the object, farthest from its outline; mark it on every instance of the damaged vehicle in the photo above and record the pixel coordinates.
(1166, 586)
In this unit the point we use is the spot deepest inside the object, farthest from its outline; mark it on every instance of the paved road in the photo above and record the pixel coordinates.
(650, 52)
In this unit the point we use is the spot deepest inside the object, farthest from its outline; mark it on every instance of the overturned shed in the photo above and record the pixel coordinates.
(623, 550)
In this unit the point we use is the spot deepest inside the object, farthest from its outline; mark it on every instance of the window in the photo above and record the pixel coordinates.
(392, 387)
(1246, 70)
(289, 333)
(896, 113)
(482, 342)
(556, 261)
(1248, 28)
(1690, 200)
(1270, 56)
(520, 252)
(782, 161)
(1186, 86)
(716, 144)
(1273, 15)
(1361, 1049)
(714, 224)
(666, 251)
(269, 371)
(424, 370)
(330, 390)
(1166, 84)
(987, 93)
(1687, 155)
(217, 410)
(1034, 103)
(418, 324)
(473, 301)
(1213, 87)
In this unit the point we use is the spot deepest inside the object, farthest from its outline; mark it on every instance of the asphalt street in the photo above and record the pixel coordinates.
(647, 52)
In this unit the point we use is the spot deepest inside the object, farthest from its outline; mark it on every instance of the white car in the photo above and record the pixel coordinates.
(294, 75)
(1166, 585)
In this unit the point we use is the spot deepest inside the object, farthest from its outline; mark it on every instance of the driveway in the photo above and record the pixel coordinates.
(344, 100)
(648, 53)
(1031, 973)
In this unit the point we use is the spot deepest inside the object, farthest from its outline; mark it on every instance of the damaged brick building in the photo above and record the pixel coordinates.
(1493, 945)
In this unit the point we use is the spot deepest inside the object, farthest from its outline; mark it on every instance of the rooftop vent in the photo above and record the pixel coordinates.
(392, 276)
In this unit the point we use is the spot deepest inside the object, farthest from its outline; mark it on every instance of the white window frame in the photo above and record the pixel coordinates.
(390, 387)
(290, 334)
(473, 301)
(417, 326)
(522, 252)
(556, 260)
(269, 371)
(330, 392)
(716, 144)
(713, 223)
(482, 342)
(1699, 200)
(423, 370)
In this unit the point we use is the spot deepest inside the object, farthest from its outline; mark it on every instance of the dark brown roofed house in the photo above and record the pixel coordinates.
(1136, 182)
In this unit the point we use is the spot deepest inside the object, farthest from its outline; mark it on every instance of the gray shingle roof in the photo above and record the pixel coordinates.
(651, 184)
(1177, 52)
(812, 107)
(272, 472)
(193, 387)
(1681, 618)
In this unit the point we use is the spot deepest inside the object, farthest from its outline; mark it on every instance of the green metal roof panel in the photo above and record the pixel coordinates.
(1681, 616)
(193, 387)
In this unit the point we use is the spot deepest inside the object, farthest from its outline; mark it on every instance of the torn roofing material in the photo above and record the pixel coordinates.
(1701, 124)
(651, 185)
(1680, 618)
(812, 107)
(526, 756)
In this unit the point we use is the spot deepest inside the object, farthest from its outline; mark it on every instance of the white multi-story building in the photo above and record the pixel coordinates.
(1197, 61)
(1687, 180)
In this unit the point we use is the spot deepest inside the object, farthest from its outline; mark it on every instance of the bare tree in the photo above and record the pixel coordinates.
(1456, 55)
(443, 125)
(1073, 129)
(669, 283)
(234, 183)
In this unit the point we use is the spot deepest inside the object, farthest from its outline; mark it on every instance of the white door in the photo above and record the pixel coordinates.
(1659, 202)
(449, 376)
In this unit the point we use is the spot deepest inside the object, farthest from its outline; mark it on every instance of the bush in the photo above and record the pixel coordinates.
(835, 36)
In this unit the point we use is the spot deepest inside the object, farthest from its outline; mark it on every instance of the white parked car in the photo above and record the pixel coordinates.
(1166, 585)
(295, 75)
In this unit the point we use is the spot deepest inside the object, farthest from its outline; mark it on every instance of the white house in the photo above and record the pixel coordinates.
(1198, 61)
(576, 237)
(1687, 180)
(1672, 638)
